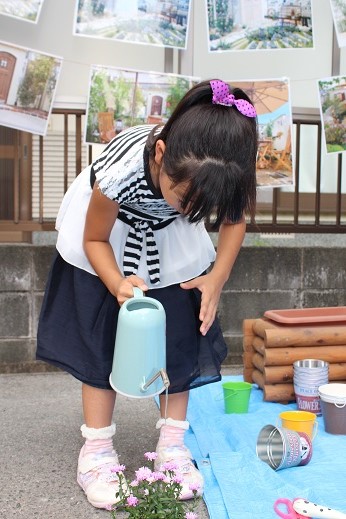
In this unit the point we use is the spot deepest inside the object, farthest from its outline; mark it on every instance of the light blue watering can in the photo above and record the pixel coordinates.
(139, 361)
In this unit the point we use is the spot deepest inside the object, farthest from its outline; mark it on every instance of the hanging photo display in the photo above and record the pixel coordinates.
(150, 22)
(28, 10)
(120, 98)
(339, 17)
(332, 95)
(27, 87)
(271, 99)
(235, 25)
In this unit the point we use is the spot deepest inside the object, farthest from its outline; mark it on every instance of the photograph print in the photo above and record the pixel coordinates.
(28, 82)
(271, 99)
(235, 25)
(149, 22)
(28, 10)
(120, 98)
(332, 95)
(339, 17)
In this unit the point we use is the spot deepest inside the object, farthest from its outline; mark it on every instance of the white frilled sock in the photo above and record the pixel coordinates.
(171, 432)
(98, 440)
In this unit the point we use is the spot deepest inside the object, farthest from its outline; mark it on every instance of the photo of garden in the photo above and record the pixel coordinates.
(28, 82)
(151, 22)
(259, 24)
(339, 16)
(332, 93)
(28, 10)
(121, 98)
(274, 157)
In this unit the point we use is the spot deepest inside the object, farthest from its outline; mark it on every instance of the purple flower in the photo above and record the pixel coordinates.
(118, 468)
(170, 465)
(150, 456)
(150, 486)
(178, 478)
(132, 501)
(143, 473)
(158, 476)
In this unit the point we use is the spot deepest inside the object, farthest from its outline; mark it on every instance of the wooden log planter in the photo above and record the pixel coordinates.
(270, 349)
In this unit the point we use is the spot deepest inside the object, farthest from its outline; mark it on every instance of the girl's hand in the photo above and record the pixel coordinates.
(211, 292)
(229, 242)
(123, 289)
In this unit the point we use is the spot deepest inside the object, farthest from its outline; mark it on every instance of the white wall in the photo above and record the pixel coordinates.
(53, 34)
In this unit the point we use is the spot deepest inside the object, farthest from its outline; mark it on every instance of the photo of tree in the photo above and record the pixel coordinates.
(28, 10)
(339, 17)
(150, 22)
(332, 93)
(28, 82)
(271, 99)
(235, 25)
(121, 98)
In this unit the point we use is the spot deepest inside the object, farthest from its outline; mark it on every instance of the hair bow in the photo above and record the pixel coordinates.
(221, 96)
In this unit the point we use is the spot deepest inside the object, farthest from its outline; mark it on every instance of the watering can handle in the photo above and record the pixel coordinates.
(137, 292)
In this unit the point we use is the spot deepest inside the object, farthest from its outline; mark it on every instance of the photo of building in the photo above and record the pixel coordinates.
(339, 15)
(333, 112)
(259, 24)
(28, 10)
(120, 98)
(27, 85)
(152, 22)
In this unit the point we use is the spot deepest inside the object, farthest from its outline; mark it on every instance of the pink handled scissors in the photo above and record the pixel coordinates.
(290, 512)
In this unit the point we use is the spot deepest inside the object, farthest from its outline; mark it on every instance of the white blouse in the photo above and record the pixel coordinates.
(149, 238)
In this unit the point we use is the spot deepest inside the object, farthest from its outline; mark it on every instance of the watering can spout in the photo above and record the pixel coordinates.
(162, 373)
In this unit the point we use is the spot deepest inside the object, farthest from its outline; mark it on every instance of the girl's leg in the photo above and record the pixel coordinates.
(98, 406)
(171, 448)
(176, 405)
(97, 456)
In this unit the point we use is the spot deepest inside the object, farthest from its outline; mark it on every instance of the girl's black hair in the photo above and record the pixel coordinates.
(213, 148)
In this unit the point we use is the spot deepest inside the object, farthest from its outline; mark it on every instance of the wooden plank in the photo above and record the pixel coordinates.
(247, 359)
(248, 327)
(248, 350)
(284, 374)
(258, 345)
(286, 356)
(305, 336)
(262, 324)
(247, 343)
(283, 393)
(278, 335)
(247, 375)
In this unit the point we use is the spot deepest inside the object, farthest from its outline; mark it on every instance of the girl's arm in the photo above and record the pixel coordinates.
(230, 240)
(101, 216)
(231, 237)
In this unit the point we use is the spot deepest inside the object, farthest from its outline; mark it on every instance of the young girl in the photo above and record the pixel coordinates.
(134, 218)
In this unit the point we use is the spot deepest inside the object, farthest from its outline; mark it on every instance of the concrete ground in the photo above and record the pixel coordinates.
(40, 440)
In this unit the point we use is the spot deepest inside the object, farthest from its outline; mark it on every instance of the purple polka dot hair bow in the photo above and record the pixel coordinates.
(221, 96)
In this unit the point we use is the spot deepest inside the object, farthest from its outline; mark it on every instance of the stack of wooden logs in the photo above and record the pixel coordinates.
(270, 349)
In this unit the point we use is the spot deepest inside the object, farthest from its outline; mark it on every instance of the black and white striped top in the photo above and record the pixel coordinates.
(122, 173)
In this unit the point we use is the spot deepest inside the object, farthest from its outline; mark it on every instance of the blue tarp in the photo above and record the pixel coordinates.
(240, 486)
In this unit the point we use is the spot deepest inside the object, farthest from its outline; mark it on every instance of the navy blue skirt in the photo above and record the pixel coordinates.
(77, 328)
